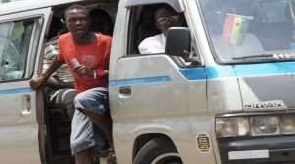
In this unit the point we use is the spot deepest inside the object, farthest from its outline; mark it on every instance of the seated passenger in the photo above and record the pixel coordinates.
(60, 92)
(57, 28)
(62, 78)
(164, 18)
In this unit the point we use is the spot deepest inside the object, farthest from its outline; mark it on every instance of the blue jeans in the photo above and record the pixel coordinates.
(84, 134)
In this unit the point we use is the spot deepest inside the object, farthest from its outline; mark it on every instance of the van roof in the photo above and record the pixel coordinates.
(26, 5)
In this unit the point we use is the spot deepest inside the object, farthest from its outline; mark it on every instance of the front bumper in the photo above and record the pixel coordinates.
(258, 150)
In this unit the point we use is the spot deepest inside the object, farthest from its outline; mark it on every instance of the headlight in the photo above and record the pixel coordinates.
(264, 125)
(230, 127)
(288, 124)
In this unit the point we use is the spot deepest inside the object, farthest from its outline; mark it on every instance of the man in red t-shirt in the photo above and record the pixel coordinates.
(87, 55)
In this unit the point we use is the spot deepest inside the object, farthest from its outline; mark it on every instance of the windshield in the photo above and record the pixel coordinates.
(250, 30)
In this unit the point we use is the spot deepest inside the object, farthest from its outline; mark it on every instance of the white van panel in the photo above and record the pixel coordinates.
(18, 125)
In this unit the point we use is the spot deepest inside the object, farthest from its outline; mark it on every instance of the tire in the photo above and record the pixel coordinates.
(158, 151)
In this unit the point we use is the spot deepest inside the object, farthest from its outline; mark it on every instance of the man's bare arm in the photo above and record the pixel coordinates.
(40, 81)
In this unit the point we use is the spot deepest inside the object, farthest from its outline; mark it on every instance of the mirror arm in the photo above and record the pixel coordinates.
(191, 57)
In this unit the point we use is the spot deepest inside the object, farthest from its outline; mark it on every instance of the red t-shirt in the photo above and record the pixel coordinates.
(94, 56)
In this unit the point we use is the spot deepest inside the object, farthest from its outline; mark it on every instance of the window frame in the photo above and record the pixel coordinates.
(133, 40)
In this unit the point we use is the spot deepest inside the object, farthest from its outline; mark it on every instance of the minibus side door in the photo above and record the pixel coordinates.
(21, 37)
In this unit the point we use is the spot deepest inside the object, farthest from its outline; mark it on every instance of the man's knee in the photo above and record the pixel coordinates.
(93, 100)
(79, 98)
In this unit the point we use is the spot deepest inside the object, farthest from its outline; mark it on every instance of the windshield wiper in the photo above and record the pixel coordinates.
(255, 56)
(269, 56)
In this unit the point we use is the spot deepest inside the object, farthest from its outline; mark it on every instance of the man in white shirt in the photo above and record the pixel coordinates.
(153, 45)
(164, 18)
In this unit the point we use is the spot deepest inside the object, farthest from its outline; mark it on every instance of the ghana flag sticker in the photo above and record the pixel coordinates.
(235, 27)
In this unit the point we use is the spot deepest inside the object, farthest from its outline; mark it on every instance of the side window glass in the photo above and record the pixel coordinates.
(148, 25)
(141, 26)
(14, 45)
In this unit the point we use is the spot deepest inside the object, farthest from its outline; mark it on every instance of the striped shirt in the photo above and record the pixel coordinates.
(50, 52)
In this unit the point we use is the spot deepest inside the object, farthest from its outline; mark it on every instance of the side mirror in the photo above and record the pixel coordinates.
(178, 42)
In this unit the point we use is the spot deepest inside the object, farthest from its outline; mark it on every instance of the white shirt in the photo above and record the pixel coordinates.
(153, 45)
(249, 46)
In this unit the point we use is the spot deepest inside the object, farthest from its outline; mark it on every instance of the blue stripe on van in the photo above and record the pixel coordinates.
(200, 73)
(247, 70)
(193, 73)
(136, 81)
(15, 90)
(208, 72)
(265, 69)
(214, 72)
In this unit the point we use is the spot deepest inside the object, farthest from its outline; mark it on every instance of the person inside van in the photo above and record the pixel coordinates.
(62, 81)
(60, 85)
(87, 56)
(164, 17)
(62, 77)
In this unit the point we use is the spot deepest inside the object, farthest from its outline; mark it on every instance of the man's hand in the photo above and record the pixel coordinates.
(83, 71)
(106, 72)
(38, 82)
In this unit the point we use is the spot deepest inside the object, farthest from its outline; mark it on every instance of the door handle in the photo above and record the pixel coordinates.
(125, 90)
(27, 105)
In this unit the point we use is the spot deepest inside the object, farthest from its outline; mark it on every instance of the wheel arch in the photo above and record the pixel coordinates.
(143, 139)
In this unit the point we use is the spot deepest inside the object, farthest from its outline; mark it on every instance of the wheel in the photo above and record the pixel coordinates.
(158, 151)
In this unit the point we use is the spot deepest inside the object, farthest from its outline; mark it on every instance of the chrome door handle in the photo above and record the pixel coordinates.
(27, 105)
